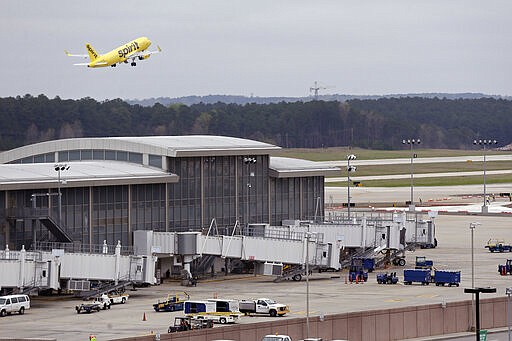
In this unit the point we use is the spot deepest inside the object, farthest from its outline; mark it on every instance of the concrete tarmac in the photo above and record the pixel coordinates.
(55, 317)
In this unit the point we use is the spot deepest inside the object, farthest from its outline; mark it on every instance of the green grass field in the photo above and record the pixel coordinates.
(441, 181)
(340, 153)
(429, 168)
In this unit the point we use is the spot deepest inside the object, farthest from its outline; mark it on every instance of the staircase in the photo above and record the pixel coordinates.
(104, 289)
(58, 232)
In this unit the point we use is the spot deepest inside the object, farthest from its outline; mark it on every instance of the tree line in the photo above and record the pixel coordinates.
(372, 124)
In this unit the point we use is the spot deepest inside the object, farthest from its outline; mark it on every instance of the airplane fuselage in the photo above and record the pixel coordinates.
(120, 54)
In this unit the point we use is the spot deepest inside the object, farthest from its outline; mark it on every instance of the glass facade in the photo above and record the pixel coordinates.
(148, 207)
(227, 188)
(296, 198)
(219, 174)
(253, 189)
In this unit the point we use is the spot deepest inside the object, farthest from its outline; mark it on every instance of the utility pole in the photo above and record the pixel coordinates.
(349, 169)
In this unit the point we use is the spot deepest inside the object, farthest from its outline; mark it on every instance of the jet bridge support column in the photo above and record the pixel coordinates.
(187, 248)
(363, 230)
(118, 262)
(23, 256)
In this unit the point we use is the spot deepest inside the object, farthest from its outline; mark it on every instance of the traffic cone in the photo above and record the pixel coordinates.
(144, 317)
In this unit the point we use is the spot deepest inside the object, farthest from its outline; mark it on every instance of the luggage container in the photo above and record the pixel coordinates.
(450, 277)
(422, 276)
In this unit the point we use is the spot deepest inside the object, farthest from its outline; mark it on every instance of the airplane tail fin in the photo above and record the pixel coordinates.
(93, 55)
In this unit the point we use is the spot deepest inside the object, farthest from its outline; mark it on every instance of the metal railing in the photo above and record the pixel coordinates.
(15, 255)
(83, 248)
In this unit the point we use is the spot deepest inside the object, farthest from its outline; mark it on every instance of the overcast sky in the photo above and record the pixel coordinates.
(258, 47)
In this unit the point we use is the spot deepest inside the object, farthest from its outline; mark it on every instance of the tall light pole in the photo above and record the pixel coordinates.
(485, 143)
(412, 142)
(248, 161)
(349, 169)
(508, 292)
(308, 236)
(472, 227)
(477, 291)
(59, 167)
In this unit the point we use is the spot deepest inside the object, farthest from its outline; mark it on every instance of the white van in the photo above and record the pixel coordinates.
(14, 303)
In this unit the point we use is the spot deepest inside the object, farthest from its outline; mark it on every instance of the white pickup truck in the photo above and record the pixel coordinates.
(263, 306)
(117, 298)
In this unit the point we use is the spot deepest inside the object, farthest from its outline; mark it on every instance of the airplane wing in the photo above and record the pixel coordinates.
(85, 64)
(144, 53)
(75, 55)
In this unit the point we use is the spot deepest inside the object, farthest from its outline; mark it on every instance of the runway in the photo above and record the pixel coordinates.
(441, 198)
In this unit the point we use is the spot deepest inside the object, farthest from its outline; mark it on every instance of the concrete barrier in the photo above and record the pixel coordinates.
(373, 325)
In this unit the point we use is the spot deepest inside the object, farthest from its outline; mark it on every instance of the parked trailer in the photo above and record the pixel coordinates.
(221, 318)
(88, 307)
(225, 305)
(450, 277)
(422, 276)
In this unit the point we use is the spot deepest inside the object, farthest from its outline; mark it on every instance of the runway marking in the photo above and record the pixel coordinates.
(303, 312)
(394, 300)
(427, 296)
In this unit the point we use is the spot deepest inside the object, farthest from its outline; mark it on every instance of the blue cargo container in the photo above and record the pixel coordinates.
(450, 277)
(366, 263)
(417, 275)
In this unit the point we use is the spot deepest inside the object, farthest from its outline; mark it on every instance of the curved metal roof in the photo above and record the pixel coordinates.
(80, 173)
(172, 146)
(285, 167)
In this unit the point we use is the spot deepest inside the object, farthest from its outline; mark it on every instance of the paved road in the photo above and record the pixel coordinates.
(419, 175)
(380, 162)
(446, 195)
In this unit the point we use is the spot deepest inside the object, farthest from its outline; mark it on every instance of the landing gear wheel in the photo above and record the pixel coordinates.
(133, 64)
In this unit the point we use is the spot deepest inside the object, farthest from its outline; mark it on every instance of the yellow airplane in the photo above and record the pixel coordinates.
(135, 49)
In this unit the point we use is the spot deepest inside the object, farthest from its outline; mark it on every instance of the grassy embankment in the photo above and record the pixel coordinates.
(330, 154)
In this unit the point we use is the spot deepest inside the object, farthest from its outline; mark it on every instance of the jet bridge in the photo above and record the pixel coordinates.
(324, 244)
(69, 266)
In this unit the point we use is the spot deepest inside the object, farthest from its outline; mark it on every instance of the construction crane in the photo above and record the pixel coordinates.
(314, 89)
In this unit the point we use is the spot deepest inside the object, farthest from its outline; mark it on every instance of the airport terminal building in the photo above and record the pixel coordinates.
(87, 190)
